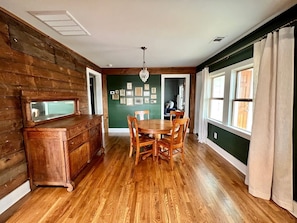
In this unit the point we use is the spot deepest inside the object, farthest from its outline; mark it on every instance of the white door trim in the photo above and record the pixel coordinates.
(98, 91)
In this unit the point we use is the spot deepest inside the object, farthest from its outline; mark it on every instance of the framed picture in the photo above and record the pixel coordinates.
(146, 100)
(138, 101)
(115, 97)
(153, 96)
(129, 85)
(153, 101)
(138, 91)
(122, 92)
(154, 90)
(146, 93)
(129, 93)
(146, 87)
(122, 100)
(129, 101)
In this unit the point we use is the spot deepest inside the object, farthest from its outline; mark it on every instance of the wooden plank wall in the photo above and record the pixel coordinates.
(30, 60)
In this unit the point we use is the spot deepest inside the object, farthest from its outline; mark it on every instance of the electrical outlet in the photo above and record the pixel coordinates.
(215, 135)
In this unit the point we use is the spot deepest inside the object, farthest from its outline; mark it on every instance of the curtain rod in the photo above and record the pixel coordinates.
(288, 24)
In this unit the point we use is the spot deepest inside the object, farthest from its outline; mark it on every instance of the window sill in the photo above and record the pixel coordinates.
(236, 131)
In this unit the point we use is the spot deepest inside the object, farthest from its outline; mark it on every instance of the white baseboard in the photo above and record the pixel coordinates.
(227, 156)
(118, 130)
(14, 196)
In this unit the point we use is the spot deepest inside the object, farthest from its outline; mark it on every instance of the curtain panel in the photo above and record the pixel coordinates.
(203, 111)
(270, 160)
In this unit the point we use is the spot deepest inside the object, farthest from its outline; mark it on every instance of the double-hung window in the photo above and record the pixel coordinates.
(242, 104)
(217, 98)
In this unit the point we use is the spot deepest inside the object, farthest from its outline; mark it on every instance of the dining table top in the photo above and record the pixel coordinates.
(154, 126)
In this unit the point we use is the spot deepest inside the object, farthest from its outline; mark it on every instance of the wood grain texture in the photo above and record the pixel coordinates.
(205, 189)
(30, 60)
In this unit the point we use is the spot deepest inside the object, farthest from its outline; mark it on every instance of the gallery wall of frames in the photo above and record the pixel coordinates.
(127, 94)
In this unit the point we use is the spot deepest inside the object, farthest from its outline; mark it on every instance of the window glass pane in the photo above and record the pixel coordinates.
(216, 109)
(242, 115)
(218, 84)
(244, 88)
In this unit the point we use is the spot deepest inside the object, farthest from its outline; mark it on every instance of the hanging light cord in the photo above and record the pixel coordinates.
(143, 48)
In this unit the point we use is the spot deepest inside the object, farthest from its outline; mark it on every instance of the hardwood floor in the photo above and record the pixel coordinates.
(205, 189)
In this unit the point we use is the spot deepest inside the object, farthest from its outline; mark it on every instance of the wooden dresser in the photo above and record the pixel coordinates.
(57, 150)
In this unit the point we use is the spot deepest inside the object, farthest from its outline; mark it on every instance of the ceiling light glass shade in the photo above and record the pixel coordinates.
(144, 74)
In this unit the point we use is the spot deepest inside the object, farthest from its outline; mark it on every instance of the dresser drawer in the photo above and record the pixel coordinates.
(78, 129)
(78, 140)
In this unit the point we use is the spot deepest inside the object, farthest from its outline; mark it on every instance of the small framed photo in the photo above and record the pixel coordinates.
(153, 96)
(138, 91)
(146, 87)
(129, 93)
(129, 85)
(122, 100)
(122, 92)
(146, 100)
(154, 90)
(138, 101)
(115, 97)
(146, 93)
(153, 101)
(129, 101)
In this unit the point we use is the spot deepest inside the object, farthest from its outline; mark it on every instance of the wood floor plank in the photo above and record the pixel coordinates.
(204, 189)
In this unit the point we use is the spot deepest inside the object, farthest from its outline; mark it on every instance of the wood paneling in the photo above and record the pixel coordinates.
(30, 60)
(152, 70)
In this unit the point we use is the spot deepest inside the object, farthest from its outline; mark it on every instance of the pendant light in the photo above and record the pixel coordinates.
(144, 74)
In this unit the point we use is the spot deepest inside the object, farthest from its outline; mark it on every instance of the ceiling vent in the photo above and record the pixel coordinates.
(62, 22)
(218, 39)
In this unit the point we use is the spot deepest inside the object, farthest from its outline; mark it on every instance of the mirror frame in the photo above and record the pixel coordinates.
(39, 96)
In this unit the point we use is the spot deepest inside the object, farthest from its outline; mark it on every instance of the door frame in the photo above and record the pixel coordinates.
(187, 91)
(98, 99)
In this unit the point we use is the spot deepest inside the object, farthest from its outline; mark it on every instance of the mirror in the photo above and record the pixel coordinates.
(40, 107)
(45, 110)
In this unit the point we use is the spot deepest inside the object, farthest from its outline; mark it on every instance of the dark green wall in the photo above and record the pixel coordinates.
(233, 144)
(117, 113)
(237, 52)
(171, 89)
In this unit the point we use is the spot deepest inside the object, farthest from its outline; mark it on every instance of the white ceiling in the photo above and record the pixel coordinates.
(177, 33)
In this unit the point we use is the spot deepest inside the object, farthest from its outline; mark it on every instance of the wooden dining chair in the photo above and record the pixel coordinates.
(169, 146)
(142, 115)
(140, 143)
(176, 114)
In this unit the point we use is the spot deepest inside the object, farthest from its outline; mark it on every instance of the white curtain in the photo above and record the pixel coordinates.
(202, 118)
(270, 160)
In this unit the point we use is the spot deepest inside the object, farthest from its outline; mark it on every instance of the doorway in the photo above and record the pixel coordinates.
(94, 86)
(179, 95)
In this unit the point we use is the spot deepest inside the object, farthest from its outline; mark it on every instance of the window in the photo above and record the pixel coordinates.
(217, 98)
(242, 104)
(230, 98)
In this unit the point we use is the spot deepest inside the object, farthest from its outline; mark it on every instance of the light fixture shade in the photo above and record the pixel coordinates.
(144, 74)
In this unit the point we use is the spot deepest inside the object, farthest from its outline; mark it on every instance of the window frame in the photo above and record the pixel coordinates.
(236, 98)
(229, 96)
(216, 98)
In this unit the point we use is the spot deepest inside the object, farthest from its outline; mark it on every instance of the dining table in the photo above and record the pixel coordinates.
(156, 127)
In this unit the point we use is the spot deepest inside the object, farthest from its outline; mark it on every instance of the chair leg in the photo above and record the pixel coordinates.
(137, 155)
(171, 158)
(183, 155)
(131, 150)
